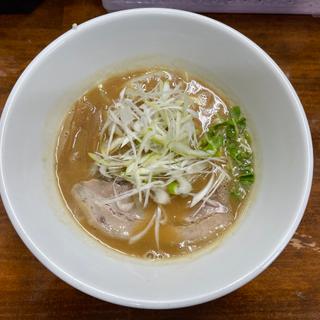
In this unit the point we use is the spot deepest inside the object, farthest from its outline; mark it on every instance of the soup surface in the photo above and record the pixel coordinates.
(153, 163)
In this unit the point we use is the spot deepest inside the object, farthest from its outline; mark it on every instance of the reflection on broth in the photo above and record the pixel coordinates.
(153, 163)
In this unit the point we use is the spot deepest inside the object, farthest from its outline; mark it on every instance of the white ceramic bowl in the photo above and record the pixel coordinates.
(70, 65)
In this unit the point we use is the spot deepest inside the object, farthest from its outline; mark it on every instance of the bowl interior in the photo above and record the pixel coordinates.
(72, 64)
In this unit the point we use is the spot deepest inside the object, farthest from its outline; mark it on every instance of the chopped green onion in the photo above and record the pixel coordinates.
(172, 187)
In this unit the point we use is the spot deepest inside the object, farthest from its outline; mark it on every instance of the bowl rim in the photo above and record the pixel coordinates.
(139, 303)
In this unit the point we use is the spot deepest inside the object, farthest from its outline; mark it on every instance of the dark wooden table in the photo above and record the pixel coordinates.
(288, 289)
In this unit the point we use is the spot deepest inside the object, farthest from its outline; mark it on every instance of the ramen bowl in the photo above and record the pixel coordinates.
(136, 38)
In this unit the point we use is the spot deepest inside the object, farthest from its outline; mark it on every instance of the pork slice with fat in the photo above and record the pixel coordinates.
(203, 228)
(118, 219)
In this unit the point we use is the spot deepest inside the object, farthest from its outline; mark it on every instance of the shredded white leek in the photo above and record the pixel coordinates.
(141, 234)
(157, 227)
(151, 139)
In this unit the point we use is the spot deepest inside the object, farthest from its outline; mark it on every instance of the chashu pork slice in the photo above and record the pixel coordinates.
(118, 219)
(198, 229)
(213, 217)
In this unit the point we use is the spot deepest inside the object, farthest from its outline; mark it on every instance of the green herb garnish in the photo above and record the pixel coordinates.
(231, 134)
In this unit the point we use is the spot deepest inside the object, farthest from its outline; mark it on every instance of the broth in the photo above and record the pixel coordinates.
(81, 135)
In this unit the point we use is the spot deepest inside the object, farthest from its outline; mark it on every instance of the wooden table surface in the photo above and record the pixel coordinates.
(288, 289)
